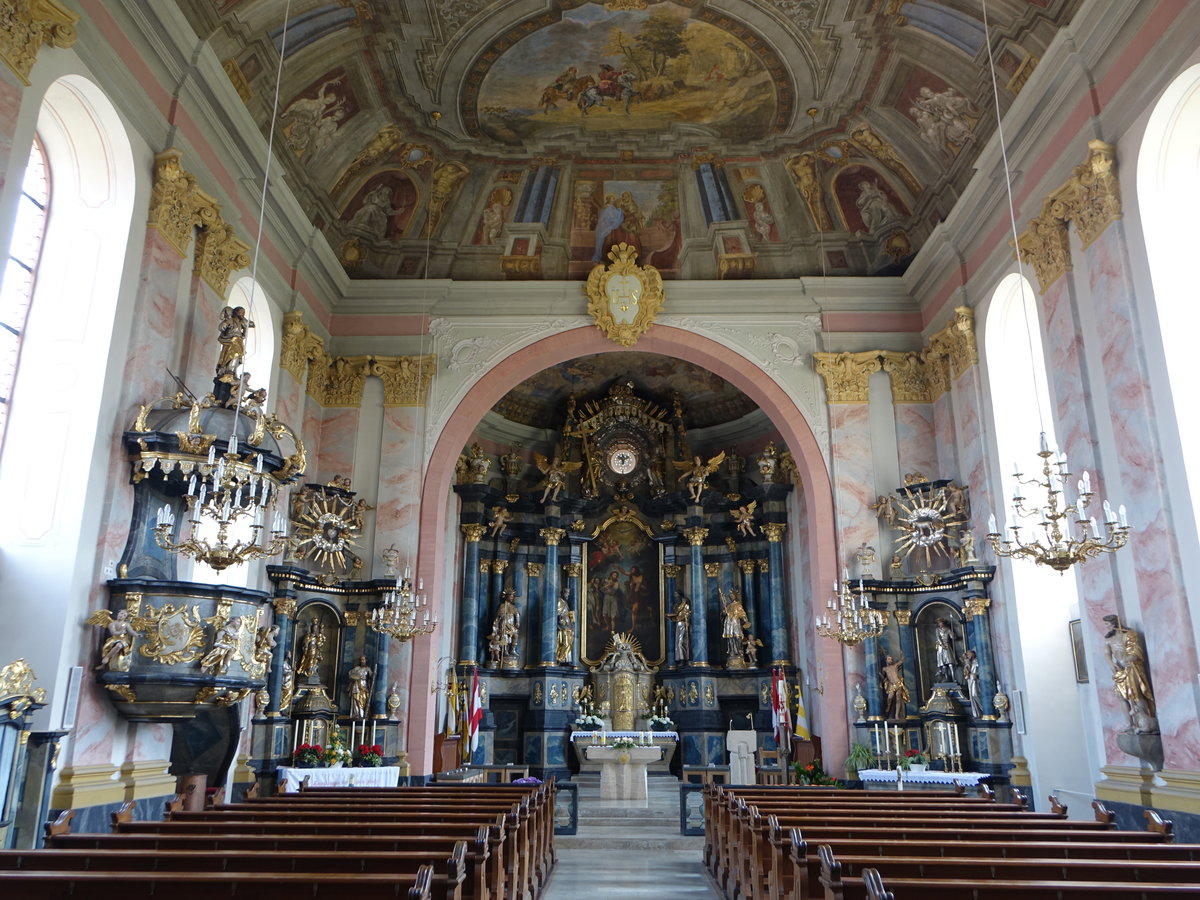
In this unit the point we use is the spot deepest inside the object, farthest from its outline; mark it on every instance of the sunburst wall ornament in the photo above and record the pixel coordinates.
(326, 524)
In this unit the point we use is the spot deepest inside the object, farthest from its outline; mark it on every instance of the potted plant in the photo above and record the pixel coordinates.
(660, 723)
(861, 757)
(335, 755)
(370, 755)
(914, 760)
(306, 756)
(813, 774)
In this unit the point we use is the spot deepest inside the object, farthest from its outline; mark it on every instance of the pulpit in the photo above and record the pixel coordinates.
(623, 770)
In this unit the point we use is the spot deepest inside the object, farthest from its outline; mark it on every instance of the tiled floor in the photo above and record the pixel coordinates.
(630, 850)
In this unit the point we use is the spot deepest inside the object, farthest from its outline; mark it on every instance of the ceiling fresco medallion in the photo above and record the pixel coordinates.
(624, 298)
(611, 69)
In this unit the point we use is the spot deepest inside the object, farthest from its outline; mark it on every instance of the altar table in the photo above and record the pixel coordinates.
(376, 776)
(885, 779)
(623, 770)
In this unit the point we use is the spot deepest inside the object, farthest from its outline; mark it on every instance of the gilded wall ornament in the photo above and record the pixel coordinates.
(846, 374)
(956, 342)
(327, 523)
(27, 25)
(172, 635)
(406, 379)
(171, 200)
(907, 372)
(17, 692)
(624, 298)
(445, 181)
(220, 253)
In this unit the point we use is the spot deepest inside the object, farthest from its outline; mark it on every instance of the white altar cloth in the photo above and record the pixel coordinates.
(376, 776)
(888, 776)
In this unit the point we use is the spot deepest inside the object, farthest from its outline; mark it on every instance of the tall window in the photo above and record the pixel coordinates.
(1168, 172)
(19, 273)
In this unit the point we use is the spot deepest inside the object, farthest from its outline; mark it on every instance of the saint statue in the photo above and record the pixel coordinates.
(894, 687)
(1123, 649)
(231, 335)
(223, 648)
(287, 685)
(360, 688)
(314, 646)
(734, 623)
(943, 649)
(682, 617)
(565, 637)
(971, 677)
(505, 630)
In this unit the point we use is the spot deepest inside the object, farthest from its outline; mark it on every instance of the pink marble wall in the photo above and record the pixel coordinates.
(853, 469)
(399, 484)
(1070, 398)
(915, 440)
(198, 324)
(339, 432)
(1161, 604)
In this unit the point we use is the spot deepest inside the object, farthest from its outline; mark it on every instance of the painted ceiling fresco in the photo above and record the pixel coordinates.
(751, 135)
(541, 401)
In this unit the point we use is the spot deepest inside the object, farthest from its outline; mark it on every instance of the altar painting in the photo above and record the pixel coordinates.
(603, 70)
(623, 592)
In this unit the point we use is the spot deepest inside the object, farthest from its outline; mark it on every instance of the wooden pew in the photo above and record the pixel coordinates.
(446, 881)
(31, 884)
(872, 885)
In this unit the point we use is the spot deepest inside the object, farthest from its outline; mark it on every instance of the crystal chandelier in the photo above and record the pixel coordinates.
(403, 614)
(1058, 545)
(849, 619)
(224, 491)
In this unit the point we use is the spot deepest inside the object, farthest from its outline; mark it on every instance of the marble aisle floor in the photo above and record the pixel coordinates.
(627, 850)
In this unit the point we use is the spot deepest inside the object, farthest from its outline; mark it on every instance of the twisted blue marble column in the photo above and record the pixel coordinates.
(695, 537)
(980, 628)
(468, 624)
(763, 567)
(752, 600)
(573, 571)
(670, 573)
(285, 618)
(379, 700)
(908, 646)
(550, 594)
(778, 645)
(875, 698)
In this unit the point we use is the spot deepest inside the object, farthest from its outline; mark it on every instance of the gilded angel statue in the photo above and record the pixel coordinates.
(696, 474)
(118, 646)
(500, 518)
(744, 516)
(555, 471)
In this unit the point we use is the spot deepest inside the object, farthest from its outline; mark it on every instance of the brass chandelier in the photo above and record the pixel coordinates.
(403, 614)
(849, 618)
(1054, 542)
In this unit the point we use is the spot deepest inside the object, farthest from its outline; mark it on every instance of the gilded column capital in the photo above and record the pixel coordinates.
(847, 374)
(284, 606)
(534, 569)
(552, 535)
(903, 616)
(695, 536)
(712, 569)
(171, 200)
(956, 342)
(474, 531)
(28, 25)
(747, 566)
(343, 382)
(573, 570)
(907, 373)
(220, 253)
(977, 606)
(485, 566)
(764, 566)
(499, 566)
(353, 618)
(670, 570)
(406, 379)
(299, 346)
(774, 531)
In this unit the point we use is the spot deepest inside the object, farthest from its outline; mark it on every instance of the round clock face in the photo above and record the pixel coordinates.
(622, 459)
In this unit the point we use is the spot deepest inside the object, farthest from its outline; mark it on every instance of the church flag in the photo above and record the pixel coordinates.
(474, 713)
(779, 707)
(801, 727)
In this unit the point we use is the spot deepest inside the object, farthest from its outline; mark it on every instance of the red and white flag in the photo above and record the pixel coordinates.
(780, 716)
(474, 713)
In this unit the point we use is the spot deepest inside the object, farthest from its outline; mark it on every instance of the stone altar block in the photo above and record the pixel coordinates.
(623, 770)
(741, 746)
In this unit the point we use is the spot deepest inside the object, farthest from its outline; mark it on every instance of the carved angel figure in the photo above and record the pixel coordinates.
(555, 471)
(885, 509)
(696, 474)
(500, 518)
(223, 648)
(118, 646)
(744, 516)
(264, 643)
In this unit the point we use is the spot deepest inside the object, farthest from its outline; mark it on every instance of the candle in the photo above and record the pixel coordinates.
(1044, 445)
(1121, 516)
(992, 529)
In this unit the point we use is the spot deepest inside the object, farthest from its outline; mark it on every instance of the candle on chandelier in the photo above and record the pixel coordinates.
(1121, 516)
(1045, 446)
(992, 529)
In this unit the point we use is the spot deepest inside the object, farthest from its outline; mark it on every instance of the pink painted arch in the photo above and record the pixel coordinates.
(669, 341)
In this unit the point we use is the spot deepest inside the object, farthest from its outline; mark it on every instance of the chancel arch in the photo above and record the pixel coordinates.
(814, 528)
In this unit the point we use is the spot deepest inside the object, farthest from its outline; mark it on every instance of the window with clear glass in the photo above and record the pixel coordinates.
(20, 270)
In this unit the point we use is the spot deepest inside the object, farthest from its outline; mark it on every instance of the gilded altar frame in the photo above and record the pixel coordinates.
(597, 563)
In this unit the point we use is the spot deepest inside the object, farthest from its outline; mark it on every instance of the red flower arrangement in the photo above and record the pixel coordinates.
(306, 756)
(370, 755)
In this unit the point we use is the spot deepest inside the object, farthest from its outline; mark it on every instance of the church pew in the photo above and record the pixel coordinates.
(521, 854)
(476, 883)
(872, 885)
(502, 871)
(978, 860)
(33, 884)
(447, 880)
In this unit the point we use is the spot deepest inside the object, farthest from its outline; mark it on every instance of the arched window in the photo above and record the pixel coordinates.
(1049, 709)
(1168, 171)
(23, 256)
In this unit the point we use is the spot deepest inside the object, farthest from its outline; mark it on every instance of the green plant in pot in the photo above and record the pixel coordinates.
(861, 757)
